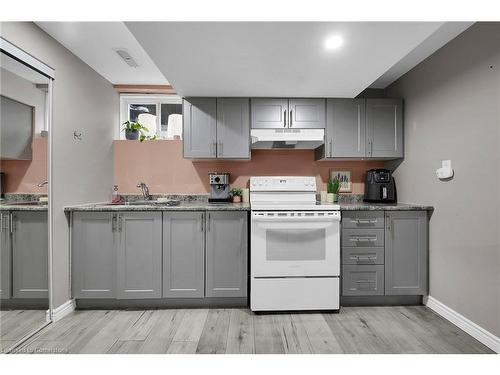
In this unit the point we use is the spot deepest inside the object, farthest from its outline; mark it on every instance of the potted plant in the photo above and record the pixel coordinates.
(332, 188)
(236, 193)
(134, 131)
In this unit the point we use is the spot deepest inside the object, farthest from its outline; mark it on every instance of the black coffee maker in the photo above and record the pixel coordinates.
(380, 186)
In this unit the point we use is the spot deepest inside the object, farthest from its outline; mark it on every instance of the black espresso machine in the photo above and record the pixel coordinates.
(380, 186)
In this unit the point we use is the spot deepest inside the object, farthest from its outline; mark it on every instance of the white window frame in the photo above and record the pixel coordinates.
(158, 99)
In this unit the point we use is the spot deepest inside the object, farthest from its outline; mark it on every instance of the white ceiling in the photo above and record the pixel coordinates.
(95, 43)
(281, 58)
(255, 58)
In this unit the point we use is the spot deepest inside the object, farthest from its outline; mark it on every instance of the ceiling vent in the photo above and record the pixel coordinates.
(127, 58)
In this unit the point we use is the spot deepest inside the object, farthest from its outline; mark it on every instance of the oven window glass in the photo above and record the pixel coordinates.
(295, 244)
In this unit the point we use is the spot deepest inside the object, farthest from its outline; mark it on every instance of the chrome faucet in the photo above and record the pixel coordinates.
(145, 190)
(42, 184)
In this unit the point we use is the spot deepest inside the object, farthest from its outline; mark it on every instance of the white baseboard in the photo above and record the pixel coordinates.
(61, 311)
(479, 333)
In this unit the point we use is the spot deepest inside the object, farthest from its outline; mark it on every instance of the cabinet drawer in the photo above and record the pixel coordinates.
(363, 280)
(363, 255)
(363, 219)
(362, 238)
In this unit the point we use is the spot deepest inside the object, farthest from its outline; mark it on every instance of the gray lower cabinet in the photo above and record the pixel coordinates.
(139, 255)
(233, 128)
(5, 255)
(406, 244)
(30, 254)
(363, 280)
(306, 113)
(199, 130)
(94, 243)
(183, 254)
(345, 128)
(226, 254)
(269, 113)
(384, 128)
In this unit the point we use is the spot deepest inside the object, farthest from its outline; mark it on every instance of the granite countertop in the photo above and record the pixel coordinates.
(184, 206)
(365, 206)
(23, 207)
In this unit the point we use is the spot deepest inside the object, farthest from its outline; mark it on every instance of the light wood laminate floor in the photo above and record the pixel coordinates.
(15, 324)
(392, 329)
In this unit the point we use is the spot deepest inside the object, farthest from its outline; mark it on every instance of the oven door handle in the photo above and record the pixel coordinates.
(296, 219)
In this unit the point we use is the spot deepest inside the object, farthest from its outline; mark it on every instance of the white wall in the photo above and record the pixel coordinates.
(452, 111)
(83, 170)
(24, 91)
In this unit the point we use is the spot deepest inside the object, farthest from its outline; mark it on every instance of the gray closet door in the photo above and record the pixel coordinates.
(384, 128)
(30, 254)
(306, 113)
(406, 253)
(345, 128)
(199, 128)
(269, 113)
(183, 254)
(226, 254)
(233, 128)
(94, 246)
(5, 255)
(139, 266)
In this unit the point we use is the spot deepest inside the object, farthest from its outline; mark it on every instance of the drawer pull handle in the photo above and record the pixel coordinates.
(363, 258)
(363, 239)
(365, 281)
(364, 221)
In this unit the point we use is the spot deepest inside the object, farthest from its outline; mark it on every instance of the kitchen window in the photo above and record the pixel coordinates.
(161, 114)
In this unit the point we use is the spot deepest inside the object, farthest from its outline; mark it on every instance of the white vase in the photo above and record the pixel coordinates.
(323, 194)
(330, 197)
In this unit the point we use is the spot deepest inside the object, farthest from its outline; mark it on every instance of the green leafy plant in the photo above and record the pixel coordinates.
(136, 127)
(237, 192)
(333, 186)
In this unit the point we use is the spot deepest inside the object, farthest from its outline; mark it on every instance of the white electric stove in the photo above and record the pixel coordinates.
(295, 246)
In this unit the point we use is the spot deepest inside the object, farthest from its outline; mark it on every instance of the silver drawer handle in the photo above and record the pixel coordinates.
(363, 239)
(365, 281)
(361, 258)
(361, 221)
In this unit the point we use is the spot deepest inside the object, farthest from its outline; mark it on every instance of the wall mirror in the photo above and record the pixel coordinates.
(25, 129)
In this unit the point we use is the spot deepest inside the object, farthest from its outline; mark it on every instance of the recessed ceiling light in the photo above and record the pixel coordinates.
(334, 42)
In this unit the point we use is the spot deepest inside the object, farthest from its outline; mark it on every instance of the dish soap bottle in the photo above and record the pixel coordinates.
(115, 196)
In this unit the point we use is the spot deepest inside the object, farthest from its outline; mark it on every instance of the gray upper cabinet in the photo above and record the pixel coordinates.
(183, 254)
(306, 113)
(233, 128)
(5, 253)
(269, 113)
(30, 254)
(226, 254)
(406, 253)
(345, 128)
(139, 257)
(199, 132)
(384, 128)
(94, 245)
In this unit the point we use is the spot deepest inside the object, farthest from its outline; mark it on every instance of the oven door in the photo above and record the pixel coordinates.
(295, 243)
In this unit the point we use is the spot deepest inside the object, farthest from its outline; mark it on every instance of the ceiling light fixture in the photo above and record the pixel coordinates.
(334, 42)
(127, 58)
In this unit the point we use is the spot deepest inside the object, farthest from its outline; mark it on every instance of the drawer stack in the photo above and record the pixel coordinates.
(363, 253)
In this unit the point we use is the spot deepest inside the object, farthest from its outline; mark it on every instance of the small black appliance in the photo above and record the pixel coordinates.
(380, 186)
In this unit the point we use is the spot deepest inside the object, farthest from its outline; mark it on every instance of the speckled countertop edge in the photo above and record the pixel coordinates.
(184, 206)
(20, 207)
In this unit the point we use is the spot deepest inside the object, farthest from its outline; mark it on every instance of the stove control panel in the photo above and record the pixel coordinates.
(286, 183)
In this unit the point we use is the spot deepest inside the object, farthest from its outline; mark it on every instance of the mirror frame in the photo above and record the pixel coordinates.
(32, 62)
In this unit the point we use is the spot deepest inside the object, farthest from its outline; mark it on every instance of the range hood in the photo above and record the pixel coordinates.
(298, 139)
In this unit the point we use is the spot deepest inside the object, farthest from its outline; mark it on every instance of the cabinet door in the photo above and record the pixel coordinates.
(345, 128)
(183, 254)
(139, 265)
(233, 128)
(30, 254)
(94, 242)
(384, 128)
(406, 253)
(226, 256)
(307, 113)
(199, 128)
(269, 113)
(5, 255)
